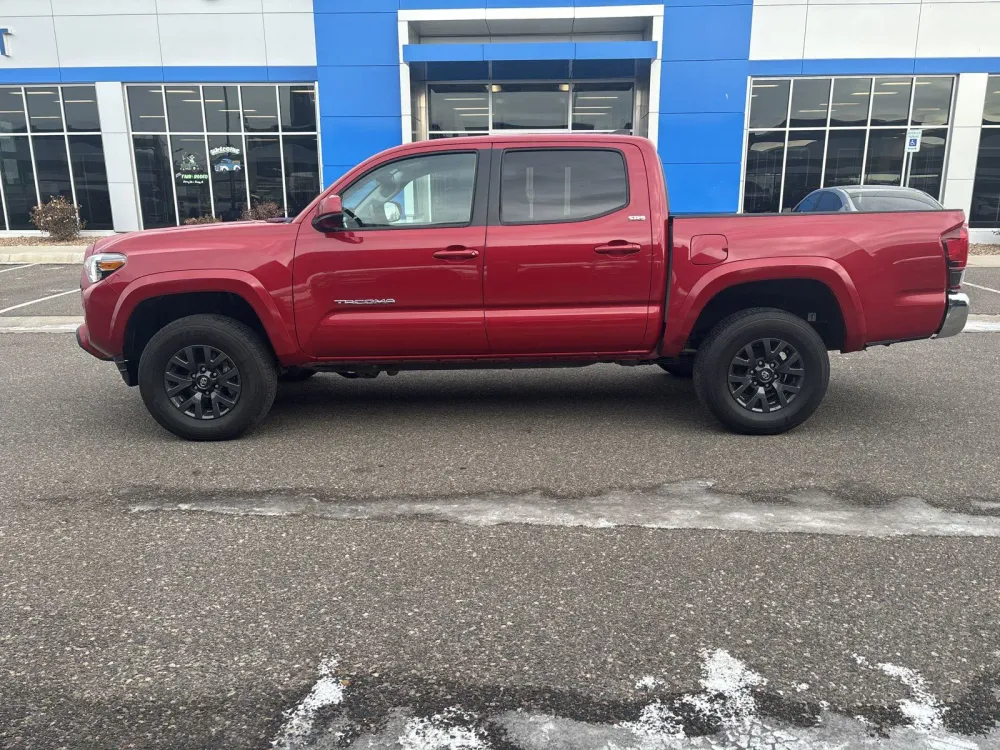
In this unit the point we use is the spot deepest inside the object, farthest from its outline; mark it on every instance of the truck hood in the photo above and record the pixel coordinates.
(227, 235)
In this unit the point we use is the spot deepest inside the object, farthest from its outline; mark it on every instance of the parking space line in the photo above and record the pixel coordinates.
(18, 268)
(984, 288)
(40, 299)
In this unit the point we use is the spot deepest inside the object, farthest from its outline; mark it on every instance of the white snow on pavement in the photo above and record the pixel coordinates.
(300, 720)
(691, 504)
(726, 701)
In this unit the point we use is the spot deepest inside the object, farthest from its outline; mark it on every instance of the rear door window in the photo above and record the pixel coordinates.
(560, 185)
(808, 203)
(830, 202)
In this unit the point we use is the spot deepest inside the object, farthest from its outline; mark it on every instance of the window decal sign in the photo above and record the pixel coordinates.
(913, 141)
(190, 171)
(226, 159)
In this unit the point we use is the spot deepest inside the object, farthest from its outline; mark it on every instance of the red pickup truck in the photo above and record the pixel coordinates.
(514, 251)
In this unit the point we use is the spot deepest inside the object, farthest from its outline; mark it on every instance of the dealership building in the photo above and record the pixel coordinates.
(148, 113)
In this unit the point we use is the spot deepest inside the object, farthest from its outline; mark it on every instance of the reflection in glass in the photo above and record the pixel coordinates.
(810, 102)
(458, 108)
(991, 112)
(18, 181)
(602, 106)
(891, 101)
(298, 107)
(264, 170)
(52, 167)
(80, 105)
(769, 104)
(301, 171)
(931, 101)
(884, 165)
(155, 178)
(844, 154)
(184, 109)
(145, 104)
(222, 109)
(850, 101)
(90, 178)
(191, 176)
(12, 118)
(228, 175)
(531, 106)
(927, 164)
(260, 109)
(44, 109)
(803, 165)
(985, 211)
(762, 187)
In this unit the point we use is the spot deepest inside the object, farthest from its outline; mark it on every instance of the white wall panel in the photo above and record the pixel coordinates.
(97, 40)
(958, 194)
(869, 30)
(25, 8)
(102, 7)
(213, 39)
(291, 38)
(970, 100)
(288, 6)
(208, 6)
(31, 44)
(117, 156)
(778, 32)
(959, 30)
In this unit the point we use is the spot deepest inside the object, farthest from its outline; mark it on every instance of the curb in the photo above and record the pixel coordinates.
(42, 255)
(983, 261)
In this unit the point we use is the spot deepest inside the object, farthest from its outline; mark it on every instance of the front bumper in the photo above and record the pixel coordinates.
(83, 339)
(955, 316)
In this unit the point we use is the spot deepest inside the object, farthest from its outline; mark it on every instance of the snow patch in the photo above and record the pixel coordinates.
(924, 710)
(300, 720)
(442, 732)
(682, 505)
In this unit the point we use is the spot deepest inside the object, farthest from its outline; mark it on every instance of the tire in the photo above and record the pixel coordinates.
(296, 374)
(754, 406)
(195, 339)
(682, 368)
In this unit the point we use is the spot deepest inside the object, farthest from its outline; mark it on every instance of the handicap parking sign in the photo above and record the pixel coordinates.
(913, 141)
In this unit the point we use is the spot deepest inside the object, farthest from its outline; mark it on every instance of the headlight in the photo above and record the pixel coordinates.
(101, 265)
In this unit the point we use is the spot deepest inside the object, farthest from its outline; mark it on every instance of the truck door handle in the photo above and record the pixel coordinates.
(456, 253)
(618, 248)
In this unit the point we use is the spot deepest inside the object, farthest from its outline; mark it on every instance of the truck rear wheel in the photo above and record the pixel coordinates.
(207, 377)
(762, 371)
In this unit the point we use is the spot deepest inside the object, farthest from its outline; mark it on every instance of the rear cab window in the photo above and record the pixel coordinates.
(543, 186)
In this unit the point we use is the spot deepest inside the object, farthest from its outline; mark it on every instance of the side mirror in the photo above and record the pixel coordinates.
(329, 215)
(393, 211)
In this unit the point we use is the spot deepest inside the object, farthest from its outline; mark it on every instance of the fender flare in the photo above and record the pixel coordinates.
(240, 283)
(824, 270)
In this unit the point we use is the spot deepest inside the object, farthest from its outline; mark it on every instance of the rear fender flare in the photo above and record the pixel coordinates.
(240, 283)
(682, 318)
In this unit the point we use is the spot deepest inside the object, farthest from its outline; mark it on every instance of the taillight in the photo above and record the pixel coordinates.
(956, 251)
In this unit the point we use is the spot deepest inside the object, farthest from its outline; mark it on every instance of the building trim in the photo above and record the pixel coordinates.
(530, 51)
(165, 74)
(875, 66)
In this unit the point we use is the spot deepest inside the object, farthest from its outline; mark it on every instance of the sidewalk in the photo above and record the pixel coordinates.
(59, 254)
(24, 254)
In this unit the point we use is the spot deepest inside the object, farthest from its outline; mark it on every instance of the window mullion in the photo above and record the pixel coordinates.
(69, 157)
(208, 155)
(784, 154)
(281, 152)
(868, 128)
(826, 134)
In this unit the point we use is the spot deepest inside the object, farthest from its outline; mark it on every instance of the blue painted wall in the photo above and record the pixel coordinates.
(703, 80)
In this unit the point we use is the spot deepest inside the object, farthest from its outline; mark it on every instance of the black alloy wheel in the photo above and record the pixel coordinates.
(766, 375)
(202, 382)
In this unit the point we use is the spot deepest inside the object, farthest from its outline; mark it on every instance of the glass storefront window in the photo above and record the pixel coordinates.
(455, 109)
(985, 210)
(602, 106)
(807, 133)
(12, 119)
(530, 106)
(226, 147)
(50, 145)
(145, 106)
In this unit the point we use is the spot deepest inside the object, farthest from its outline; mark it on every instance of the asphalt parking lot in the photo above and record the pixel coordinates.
(475, 556)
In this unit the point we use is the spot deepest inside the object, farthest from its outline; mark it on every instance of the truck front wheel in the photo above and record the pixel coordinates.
(762, 371)
(207, 377)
